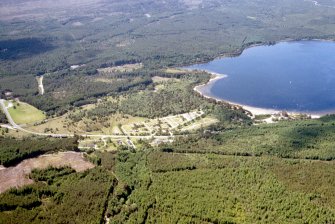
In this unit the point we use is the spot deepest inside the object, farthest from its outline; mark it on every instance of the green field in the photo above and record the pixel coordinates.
(23, 113)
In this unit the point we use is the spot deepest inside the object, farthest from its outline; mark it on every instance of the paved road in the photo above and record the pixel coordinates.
(17, 127)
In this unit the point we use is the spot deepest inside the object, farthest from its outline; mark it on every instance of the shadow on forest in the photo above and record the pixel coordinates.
(23, 48)
(311, 135)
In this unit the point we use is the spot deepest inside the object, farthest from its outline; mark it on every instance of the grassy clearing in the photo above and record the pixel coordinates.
(174, 71)
(100, 144)
(14, 133)
(159, 87)
(159, 79)
(202, 123)
(105, 80)
(120, 120)
(63, 124)
(162, 82)
(23, 113)
(122, 68)
(166, 125)
(57, 125)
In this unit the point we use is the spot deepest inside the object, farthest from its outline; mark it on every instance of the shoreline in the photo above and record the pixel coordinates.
(253, 110)
(237, 52)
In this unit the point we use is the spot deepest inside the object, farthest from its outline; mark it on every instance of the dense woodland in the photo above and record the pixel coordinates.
(176, 96)
(310, 139)
(256, 174)
(13, 151)
(59, 196)
(189, 188)
(170, 33)
(66, 91)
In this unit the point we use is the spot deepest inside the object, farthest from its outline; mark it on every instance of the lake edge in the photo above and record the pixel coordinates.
(205, 89)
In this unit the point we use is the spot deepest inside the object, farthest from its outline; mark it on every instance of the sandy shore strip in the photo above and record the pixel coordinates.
(253, 110)
(215, 77)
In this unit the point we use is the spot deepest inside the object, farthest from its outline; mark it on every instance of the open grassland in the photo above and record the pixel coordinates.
(159, 79)
(64, 124)
(201, 123)
(122, 68)
(57, 125)
(23, 113)
(119, 124)
(165, 125)
(174, 71)
(114, 123)
(12, 133)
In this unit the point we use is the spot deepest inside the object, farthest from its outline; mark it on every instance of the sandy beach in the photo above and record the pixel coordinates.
(253, 110)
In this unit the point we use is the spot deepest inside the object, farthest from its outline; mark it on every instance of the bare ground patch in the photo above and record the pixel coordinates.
(17, 176)
(159, 79)
(122, 68)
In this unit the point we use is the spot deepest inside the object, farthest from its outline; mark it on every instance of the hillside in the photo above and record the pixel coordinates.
(199, 180)
(102, 33)
(118, 98)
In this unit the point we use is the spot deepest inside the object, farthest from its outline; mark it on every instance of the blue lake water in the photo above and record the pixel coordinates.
(293, 76)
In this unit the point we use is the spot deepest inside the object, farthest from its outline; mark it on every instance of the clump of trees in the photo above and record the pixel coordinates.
(68, 89)
(308, 139)
(63, 189)
(50, 174)
(175, 98)
(3, 118)
(13, 151)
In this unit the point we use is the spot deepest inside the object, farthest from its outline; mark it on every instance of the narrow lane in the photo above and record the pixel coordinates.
(18, 127)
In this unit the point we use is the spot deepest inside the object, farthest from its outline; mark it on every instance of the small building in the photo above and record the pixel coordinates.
(8, 95)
